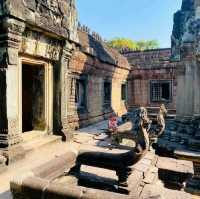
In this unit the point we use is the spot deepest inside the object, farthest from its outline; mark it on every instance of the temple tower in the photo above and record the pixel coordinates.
(186, 51)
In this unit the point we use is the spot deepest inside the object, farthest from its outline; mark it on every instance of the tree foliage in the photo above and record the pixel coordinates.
(121, 43)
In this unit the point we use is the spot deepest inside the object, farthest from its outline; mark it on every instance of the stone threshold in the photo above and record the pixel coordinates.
(40, 141)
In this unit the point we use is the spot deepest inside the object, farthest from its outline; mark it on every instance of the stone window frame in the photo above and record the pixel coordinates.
(124, 98)
(107, 103)
(84, 79)
(159, 98)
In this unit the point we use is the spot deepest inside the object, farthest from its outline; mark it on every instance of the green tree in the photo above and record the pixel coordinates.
(120, 43)
(152, 44)
(141, 45)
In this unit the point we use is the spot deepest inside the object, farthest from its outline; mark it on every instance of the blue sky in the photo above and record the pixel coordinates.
(135, 19)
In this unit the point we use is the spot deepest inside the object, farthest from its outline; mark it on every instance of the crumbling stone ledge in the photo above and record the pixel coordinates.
(176, 172)
(40, 183)
(40, 177)
(49, 181)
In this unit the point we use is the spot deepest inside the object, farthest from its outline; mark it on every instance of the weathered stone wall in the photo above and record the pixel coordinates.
(43, 31)
(56, 17)
(95, 62)
(147, 66)
(185, 50)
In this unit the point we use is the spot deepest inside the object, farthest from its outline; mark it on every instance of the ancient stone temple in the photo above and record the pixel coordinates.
(152, 80)
(185, 48)
(54, 74)
(36, 42)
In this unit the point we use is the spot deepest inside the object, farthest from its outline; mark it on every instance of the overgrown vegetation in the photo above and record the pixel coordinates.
(125, 43)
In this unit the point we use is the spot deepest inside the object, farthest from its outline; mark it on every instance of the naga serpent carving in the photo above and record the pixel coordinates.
(160, 123)
(161, 119)
(119, 162)
(155, 133)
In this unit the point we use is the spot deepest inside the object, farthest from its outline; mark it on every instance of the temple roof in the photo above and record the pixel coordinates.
(96, 47)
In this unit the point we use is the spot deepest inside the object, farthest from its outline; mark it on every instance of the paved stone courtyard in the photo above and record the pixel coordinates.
(150, 186)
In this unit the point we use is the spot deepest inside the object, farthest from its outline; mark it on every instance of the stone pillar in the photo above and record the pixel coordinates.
(196, 90)
(10, 39)
(66, 56)
(186, 79)
(180, 101)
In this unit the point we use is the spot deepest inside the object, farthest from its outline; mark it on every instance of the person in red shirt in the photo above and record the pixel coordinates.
(112, 126)
(112, 123)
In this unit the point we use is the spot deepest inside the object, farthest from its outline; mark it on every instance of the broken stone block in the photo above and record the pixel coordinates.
(157, 191)
(174, 172)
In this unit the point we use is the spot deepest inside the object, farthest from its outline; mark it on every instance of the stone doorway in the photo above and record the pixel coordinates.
(33, 98)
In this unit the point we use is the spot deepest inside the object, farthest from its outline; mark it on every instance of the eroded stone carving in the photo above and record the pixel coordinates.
(35, 43)
(56, 16)
(186, 28)
(161, 119)
(158, 129)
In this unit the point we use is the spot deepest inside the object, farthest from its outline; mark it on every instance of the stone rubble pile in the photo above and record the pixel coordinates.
(183, 136)
(181, 140)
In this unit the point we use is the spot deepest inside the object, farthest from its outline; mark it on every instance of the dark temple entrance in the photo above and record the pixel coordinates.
(33, 98)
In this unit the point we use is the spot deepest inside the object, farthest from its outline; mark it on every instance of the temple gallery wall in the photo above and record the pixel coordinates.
(56, 76)
(37, 39)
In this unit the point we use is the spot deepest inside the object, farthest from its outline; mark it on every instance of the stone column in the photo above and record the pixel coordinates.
(10, 39)
(66, 56)
(185, 79)
(196, 90)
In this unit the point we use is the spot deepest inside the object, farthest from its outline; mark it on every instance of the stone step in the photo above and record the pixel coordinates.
(169, 116)
(159, 191)
(156, 110)
(29, 136)
(174, 172)
(187, 154)
(39, 142)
